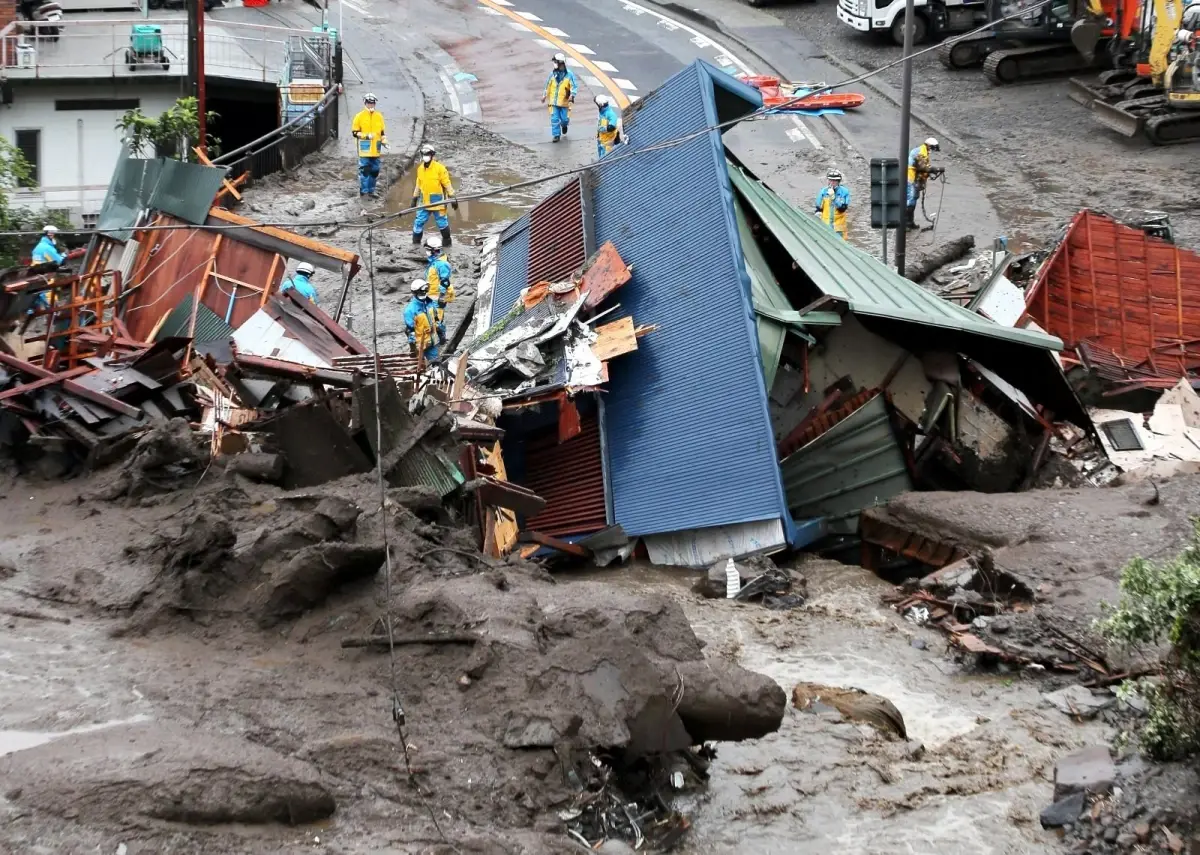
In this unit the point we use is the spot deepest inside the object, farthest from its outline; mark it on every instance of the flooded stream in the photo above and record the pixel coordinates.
(971, 778)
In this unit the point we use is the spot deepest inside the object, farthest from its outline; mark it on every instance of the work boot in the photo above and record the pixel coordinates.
(416, 238)
(554, 139)
(564, 129)
(446, 237)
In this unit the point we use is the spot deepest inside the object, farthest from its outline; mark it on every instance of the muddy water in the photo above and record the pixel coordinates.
(473, 216)
(823, 785)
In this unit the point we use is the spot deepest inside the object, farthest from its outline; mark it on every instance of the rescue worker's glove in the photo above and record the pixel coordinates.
(937, 172)
(355, 134)
(454, 204)
(416, 201)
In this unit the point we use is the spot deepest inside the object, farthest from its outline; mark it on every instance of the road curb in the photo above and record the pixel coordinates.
(852, 69)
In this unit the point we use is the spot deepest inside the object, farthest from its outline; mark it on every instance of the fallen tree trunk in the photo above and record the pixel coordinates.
(921, 268)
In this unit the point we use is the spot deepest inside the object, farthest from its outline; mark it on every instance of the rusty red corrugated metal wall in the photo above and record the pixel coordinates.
(556, 241)
(570, 477)
(171, 264)
(1114, 285)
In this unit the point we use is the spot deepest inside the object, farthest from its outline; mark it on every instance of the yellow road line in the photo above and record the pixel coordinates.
(620, 97)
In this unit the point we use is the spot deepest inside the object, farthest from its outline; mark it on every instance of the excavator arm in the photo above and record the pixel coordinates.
(1167, 15)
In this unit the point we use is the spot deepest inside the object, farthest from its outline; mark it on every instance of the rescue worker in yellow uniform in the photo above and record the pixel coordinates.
(420, 321)
(919, 172)
(431, 191)
(560, 92)
(832, 203)
(609, 129)
(368, 128)
(441, 289)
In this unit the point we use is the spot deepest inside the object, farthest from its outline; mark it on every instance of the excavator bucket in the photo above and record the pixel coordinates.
(1117, 118)
(1085, 35)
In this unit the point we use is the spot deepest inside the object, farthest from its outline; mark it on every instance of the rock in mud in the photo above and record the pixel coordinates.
(115, 775)
(721, 702)
(1089, 770)
(854, 704)
(1063, 812)
(164, 453)
(312, 573)
(1078, 701)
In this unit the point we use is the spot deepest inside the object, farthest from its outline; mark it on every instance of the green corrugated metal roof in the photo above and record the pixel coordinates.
(775, 315)
(424, 468)
(857, 464)
(209, 325)
(841, 271)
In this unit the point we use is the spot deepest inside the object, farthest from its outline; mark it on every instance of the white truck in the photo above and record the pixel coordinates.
(935, 18)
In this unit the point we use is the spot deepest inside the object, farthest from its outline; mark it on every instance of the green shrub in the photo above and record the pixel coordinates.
(1160, 604)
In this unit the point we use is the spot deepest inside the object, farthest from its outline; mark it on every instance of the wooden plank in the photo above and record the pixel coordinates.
(228, 187)
(555, 543)
(615, 339)
(266, 292)
(71, 386)
(43, 382)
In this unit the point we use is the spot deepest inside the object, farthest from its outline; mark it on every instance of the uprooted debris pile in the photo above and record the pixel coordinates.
(754, 578)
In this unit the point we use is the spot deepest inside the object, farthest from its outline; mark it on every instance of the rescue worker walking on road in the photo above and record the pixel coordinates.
(441, 291)
(919, 172)
(609, 129)
(561, 87)
(420, 321)
(832, 203)
(301, 280)
(431, 191)
(368, 128)
(47, 251)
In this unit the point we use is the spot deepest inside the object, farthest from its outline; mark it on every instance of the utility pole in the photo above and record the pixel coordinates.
(195, 17)
(905, 122)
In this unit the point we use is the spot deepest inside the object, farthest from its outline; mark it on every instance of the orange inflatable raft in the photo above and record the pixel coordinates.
(777, 93)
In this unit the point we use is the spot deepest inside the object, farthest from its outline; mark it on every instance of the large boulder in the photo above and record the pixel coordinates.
(113, 775)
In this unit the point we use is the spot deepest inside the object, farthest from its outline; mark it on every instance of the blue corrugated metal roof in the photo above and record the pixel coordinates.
(512, 267)
(689, 436)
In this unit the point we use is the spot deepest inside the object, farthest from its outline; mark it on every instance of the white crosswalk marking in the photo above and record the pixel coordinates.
(700, 41)
(592, 81)
(502, 2)
(555, 31)
(633, 98)
(583, 49)
(670, 26)
(604, 66)
(529, 16)
(488, 10)
(627, 85)
(516, 25)
(572, 62)
(546, 44)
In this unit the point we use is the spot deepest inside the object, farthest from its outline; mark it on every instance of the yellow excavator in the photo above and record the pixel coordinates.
(1172, 113)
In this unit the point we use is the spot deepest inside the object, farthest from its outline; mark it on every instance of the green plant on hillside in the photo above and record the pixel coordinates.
(1160, 604)
(174, 132)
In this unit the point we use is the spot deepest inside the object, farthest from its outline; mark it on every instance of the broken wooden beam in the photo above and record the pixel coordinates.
(505, 494)
(71, 386)
(556, 543)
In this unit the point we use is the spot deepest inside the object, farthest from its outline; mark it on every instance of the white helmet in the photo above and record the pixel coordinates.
(834, 175)
(433, 241)
(419, 287)
(369, 98)
(601, 101)
(932, 143)
(559, 59)
(1183, 35)
(305, 269)
(50, 230)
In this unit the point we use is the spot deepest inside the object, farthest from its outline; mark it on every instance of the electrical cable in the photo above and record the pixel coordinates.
(398, 715)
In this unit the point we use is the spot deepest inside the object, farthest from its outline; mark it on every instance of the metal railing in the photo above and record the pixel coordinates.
(109, 48)
(286, 146)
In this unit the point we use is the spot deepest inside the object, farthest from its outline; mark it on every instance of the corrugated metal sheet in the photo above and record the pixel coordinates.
(689, 437)
(209, 327)
(857, 464)
(1114, 286)
(841, 271)
(570, 477)
(512, 268)
(556, 241)
(186, 190)
(172, 264)
(422, 467)
(128, 194)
